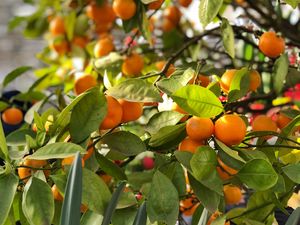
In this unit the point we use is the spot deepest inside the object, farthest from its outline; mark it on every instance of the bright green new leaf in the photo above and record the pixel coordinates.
(228, 37)
(280, 72)
(293, 3)
(198, 101)
(208, 10)
(292, 171)
(3, 146)
(239, 85)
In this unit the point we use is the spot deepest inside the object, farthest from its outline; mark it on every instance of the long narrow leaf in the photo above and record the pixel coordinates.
(15, 73)
(113, 204)
(3, 146)
(141, 216)
(71, 206)
(294, 218)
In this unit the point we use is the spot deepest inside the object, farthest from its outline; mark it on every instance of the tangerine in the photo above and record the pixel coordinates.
(114, 114)
(271, 44)
(12, 116)
(199, 129)
(131, 110)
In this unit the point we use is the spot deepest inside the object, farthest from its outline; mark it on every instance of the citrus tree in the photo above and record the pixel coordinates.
(140, 115)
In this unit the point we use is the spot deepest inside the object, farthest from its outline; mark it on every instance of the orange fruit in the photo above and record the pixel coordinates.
(177, 108)
(83, 208)
(56, 195)
(103, 47)
(133, 65)
(168, 25)
(282, 120)
(271, 44)
(160, 65)
(80, 41)
(199, 129)
(185, 3)
(101, 14)
(61, 47)
(226, 80)
(264, 123)
(226, 168)
(189, 145)
(131, 110)
(106, 178)
(25, 173)
(230, 129)
(114, 114)
(188, 206)
(125, 9)
(57, 26)
(69, 161)
(101, 28)
(12, 116)
(155, 5)
(255, 80)
(84, 83)
(89, 152)
(213, 217)
(223, 175)
(201, 80)
(173, 14)
(233, 195)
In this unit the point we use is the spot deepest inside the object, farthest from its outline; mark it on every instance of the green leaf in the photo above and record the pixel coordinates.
(229, 151)
(137, 90)
(18, 137)
(258, 174)
(208, 10)
(38, 202)
(124, 216)
(219, 221)
(209, 198)
(128, 144)
(228, 37)
(280, 71)
(163, 119)
(294, 218)
(146, 2)
(178, 80)
(91, 218)
(198, 101)
(3, 146)
(113, 204)
(8, 187)
(3, 106)
(110, 168)
(141, 216)
(292, 171)
(163, 201)
(70, 24)
(293, 3)
(108, 60)
(167, 134)
(239, 85)
(14, 74)
(87, 115)
(70, 214)
(184, 158)
(57, 150)
(203, 162)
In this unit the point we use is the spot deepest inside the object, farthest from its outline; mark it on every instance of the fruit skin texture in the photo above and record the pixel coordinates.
(84, 83)
(148, 163)
(125, 9)
(255, 80)
(155, 5)
(114, 114)
(233, 195)
(56, 195)
(57, 26)
(271, 45)
(26, 172)
(185, 3)
(131, 110)
(199, 129)
(101, 14)
(173, 14)
(226, 80)
(133, 65)
(12, 116)
(264, 123)
(189, 145)
(103, 47)
(230, 129)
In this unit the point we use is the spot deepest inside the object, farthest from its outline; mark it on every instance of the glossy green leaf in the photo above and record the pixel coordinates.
(280, 71)
(198, 101)
(163, 201)
(38, 202)
(292, 171)
(228, 37)
(239, 85)
(18, 137)
(113, 204)
(258, 174)
(167, 134)
(110, 168)
(3, 146)
(163, 119)
(8, 186)
(141, 216)
(208, 10)
(136, 90)
(184, 158)
(70, 214)
(87, 115)
(128, 144)
(58, 150)
(14, 74)
(232, 153)
(124, 216)
(203, 162)
(91, 218)
(294, 218)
